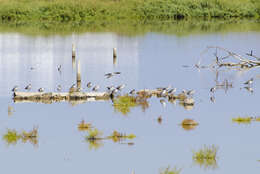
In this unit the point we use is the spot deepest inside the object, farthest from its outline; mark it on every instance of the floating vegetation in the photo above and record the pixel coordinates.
(11, 137)
(169, 170)
(189, 124)
(94, 134)
(83, 126)
(124, 103)
(117, 137)
(95, 144)
(257, 119)
(242, 120)
(95, 138)
(10, 110)
(206, 157)
(159, 119)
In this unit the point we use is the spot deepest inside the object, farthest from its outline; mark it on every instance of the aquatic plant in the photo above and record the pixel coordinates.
(257, 119)
(206, 157)
(10, 110)
(242, 120)
(94, 134)
(11, 137)
(189, 124)
(116, 136)
(82, 126)
(124, 103)
(169, 170)
(95, 144)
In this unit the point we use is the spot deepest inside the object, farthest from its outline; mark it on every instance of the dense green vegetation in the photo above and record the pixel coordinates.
(114, 10)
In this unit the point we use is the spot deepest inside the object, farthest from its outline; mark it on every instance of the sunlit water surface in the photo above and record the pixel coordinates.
(147, 61)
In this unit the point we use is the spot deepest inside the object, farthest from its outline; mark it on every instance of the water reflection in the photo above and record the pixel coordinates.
(46, 54)
(169, 170)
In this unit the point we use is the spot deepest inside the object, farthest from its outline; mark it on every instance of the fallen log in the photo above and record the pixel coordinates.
(51, 97)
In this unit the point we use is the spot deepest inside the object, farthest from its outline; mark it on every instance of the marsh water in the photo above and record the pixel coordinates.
(148, 61)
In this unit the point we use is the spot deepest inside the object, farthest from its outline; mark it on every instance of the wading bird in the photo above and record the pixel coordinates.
(95, 88)
(28, 87)
(89, 84)
(59, 88)
(15, 88)
(40, 89)
(132, 92)
(249, 82)
(120, 87)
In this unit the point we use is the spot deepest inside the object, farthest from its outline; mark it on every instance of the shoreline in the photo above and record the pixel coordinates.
(132, 28)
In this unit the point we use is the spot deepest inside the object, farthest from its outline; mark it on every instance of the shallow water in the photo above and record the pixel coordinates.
(147, 61)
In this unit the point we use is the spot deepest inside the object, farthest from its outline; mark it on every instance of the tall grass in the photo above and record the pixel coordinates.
(111, 10)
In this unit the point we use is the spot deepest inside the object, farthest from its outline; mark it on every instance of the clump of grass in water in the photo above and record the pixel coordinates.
(168, 170)
(94, 134)
(83, 126)
(94, 138)
(11, 137)
(124, 103)
(206, 157)
(116, 136)
(242, 120)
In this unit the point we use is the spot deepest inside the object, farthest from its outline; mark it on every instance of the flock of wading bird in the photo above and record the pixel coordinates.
(76, 92)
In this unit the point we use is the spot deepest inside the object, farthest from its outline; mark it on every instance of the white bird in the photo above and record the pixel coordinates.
(190, 92)
(15, 88)
(249, 82)
(120, 87)
(213, 89)
(163, 103)
(132, 92)
(59, 88)
(109, 75)
(89, 84)
(40, 89)
(95, 88)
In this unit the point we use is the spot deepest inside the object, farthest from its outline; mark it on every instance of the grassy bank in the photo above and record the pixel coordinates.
(114, 10)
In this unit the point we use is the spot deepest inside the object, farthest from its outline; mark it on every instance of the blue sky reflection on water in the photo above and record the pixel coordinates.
(145, 61)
